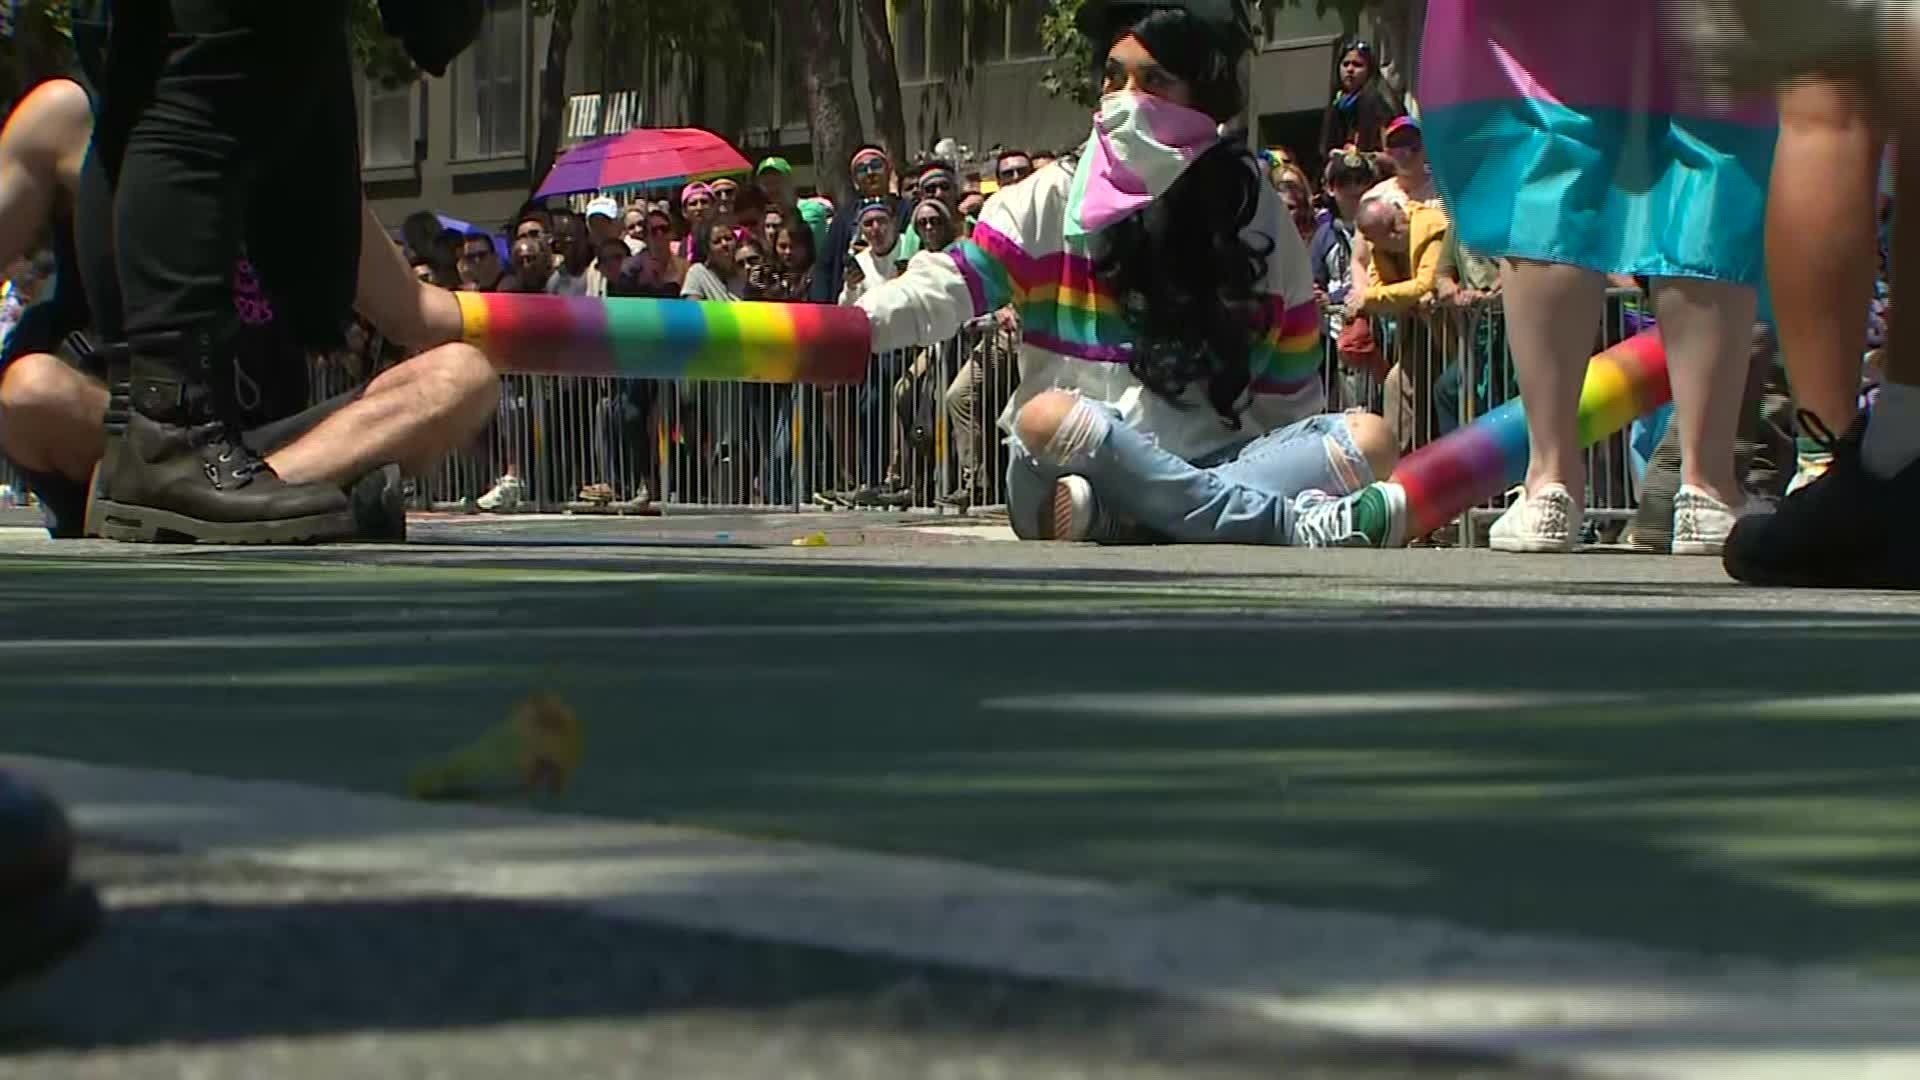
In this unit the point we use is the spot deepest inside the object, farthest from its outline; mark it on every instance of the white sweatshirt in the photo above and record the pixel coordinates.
(1073, 334)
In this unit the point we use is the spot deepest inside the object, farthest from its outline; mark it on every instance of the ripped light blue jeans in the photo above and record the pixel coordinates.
(1243, 494)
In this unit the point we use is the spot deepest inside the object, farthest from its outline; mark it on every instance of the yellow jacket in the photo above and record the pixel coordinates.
(1400, 282)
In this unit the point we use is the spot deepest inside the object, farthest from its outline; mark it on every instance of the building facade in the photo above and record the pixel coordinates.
(969, 70)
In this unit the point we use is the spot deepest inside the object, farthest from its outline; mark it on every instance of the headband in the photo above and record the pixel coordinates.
(945, 211)
(869, 154)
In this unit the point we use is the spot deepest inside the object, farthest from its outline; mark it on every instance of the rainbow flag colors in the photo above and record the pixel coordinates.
(1479, 461)
(678, 340)
(1575, 133)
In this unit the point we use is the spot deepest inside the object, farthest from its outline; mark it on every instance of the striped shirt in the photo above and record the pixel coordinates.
(1074, 335)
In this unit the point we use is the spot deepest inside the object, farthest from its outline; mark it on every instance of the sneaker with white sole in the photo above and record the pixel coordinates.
(1078, 516)
(504, 497)
(1702, 523)
(1373, 517)
(1543, 522)
(1070, 519)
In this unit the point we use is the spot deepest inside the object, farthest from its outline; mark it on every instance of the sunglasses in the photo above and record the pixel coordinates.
(870, 168)
(929, 223)
(936, 185)
(1015, 174)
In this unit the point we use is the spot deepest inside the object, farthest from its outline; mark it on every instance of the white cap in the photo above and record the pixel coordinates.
(604, 207)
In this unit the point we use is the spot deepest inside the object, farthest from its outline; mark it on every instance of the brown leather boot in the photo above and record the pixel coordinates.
(180, 471)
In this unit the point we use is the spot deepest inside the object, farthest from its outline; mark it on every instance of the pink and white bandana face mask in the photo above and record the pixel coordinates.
(1140, 145)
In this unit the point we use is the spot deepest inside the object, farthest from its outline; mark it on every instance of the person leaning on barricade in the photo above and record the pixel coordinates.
(1170, 382)
(1405, 244)
(991, 358)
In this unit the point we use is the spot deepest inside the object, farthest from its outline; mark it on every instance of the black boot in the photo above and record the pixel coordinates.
(1847, 529)
(44, 915)
(181, 472)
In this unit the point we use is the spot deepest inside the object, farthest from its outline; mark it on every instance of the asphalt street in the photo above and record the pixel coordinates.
(214, 970)
(1602, 746)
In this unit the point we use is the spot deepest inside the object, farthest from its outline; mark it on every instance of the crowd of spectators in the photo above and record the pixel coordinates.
(728, 241)
(1399, 298)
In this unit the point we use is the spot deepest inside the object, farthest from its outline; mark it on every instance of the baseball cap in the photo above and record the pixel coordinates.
(604, 207)
(773, 164)
(1400, 124)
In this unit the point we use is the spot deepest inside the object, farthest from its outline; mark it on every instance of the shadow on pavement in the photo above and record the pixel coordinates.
(204, 953)
(1735, 781)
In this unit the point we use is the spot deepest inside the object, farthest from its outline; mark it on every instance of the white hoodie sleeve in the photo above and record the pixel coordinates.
(941, 292)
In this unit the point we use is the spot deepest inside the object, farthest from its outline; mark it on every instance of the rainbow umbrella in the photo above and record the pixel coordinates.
(644, 157)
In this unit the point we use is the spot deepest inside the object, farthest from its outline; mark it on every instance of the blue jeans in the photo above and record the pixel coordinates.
(1240, 495)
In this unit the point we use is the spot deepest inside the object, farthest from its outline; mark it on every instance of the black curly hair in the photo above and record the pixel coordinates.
(1182, 271)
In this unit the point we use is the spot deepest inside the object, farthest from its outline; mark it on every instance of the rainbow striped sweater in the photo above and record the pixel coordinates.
(1074, 335)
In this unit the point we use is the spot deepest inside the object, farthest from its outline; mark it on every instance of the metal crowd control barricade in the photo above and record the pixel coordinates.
(1455, 365)
(921, 431)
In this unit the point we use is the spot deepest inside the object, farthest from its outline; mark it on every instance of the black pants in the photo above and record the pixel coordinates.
(209, 106)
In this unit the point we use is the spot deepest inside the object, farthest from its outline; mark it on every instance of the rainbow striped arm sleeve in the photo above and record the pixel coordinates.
(1288, 356)
(997, 271)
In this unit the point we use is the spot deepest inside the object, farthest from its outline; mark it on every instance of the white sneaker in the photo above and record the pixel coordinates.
(1543, 522)
(1073, 509)
(504, 497)
(1078, 516)
(1321, 520)
(1702, 523)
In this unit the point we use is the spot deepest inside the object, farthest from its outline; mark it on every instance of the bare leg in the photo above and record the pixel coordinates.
(1553, 323)
(411, 414)
(1821, 250)
(50, 417)
(1708, 329)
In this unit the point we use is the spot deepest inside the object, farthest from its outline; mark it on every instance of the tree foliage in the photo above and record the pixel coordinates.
(39, 45)
(1069, 74)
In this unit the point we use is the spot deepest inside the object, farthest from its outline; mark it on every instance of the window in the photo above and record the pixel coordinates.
(946, 20)
(793, 80)
(986, 31)
(937, 39)
(1023, 29)
(389, 136)
(910, 39)
(490, 86)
